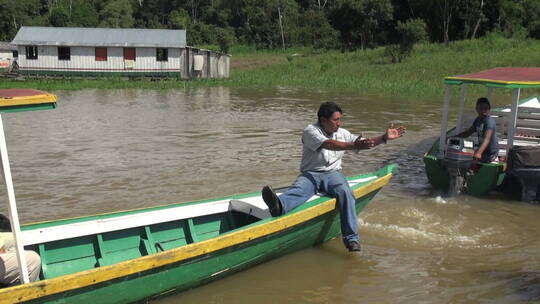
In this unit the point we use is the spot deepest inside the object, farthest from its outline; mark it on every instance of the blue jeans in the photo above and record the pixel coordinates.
(332, 183)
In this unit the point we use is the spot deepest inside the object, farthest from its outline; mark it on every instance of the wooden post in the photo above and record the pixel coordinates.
(15, 226)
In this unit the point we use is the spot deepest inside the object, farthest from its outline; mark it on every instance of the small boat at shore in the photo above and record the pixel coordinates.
(449, 164)
(133, 255)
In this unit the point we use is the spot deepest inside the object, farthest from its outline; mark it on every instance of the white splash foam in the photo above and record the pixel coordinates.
(429, 232)
(440, 200)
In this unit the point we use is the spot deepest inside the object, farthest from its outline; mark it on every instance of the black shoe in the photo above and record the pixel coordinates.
(353, 246)
(272, 201)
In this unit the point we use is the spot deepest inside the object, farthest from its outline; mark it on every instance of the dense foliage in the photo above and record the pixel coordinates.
(270, 24)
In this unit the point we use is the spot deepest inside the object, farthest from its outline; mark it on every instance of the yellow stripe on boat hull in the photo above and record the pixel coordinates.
(27, 100)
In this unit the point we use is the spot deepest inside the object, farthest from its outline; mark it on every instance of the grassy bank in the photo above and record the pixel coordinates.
(371, 73)
(368, 72)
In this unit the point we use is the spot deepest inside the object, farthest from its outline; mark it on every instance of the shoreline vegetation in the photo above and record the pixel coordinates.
(367, 72)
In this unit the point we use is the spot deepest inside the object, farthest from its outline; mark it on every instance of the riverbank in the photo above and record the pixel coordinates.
(369, 72)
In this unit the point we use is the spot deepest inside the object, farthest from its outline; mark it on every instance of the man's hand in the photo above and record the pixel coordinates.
(364, 143)
(477, 155)
(393, 133)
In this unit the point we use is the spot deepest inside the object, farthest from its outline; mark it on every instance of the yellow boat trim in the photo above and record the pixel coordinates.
(494, 81)
(49, 287)
(27, 100)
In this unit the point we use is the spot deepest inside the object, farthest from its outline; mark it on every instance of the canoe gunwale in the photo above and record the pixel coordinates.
(260, 229)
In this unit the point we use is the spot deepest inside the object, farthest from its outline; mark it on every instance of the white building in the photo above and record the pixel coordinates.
(107, 51)
(8, 54)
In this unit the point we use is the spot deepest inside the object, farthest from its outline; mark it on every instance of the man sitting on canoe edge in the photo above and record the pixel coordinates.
(9, 266)
(324, 144)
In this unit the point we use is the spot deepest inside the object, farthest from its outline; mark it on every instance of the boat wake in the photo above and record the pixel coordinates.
(423, 228)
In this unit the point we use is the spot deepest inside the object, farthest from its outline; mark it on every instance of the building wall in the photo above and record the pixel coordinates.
(215, 65)
(6, 54)
(83, 60)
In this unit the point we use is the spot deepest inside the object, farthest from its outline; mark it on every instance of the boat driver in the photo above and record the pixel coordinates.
(484, 126)
(324, 144)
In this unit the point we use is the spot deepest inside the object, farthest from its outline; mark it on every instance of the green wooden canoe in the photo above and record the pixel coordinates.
(133, 255)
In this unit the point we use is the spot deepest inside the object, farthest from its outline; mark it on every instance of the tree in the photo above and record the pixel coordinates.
(83, 14)
(447, 10)
(59, 17)
(520, 17)
(315, 30)
(411, 32)
(225, 38)
(360, 21)
(8, 24)
(117, 14)
(179, 19)
(261, 22)
(532, 22)
(18, 13)
(472, 13)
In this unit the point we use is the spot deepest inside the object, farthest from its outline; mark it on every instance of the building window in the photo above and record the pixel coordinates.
(101, 54)
(31, 52)
(162, 54)
(64, 53)
(15, 54)
(129, 54)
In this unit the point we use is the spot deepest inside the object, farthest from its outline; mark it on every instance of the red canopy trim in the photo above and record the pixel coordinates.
(524, 76)
(13, 93)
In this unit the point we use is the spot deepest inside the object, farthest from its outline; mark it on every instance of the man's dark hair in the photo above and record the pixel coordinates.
(5, 224)
(327, 109)
(483, 100)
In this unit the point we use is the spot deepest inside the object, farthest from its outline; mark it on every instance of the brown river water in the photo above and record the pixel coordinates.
(109, 150)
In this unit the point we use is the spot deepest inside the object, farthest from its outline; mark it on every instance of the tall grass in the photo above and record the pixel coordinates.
(367, 72)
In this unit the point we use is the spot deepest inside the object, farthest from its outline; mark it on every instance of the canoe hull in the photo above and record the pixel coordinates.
(189, 266)
(194, 272)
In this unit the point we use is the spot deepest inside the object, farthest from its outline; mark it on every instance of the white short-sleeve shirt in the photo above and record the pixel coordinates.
(315, 158)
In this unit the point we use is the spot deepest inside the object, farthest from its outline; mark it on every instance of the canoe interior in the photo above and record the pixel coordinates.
(86, 252)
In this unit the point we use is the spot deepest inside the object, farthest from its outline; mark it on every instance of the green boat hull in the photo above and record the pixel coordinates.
(487, 178)
(207, 260)
(201, 270)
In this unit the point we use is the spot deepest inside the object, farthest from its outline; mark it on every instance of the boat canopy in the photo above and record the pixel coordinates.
(16, 100)
(507, 77)
(497, 78)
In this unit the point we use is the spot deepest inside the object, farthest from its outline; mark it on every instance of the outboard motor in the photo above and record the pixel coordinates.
(524, 164)
(458, 159)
